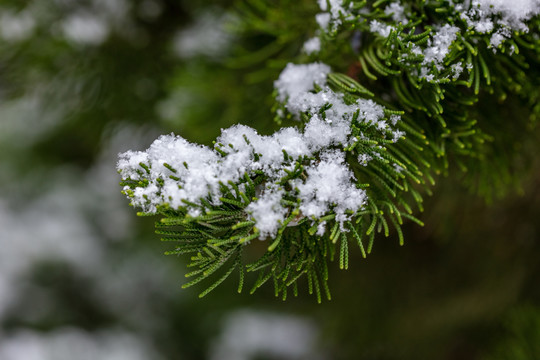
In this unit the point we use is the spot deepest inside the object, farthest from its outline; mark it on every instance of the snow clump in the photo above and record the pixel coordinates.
(180, 174)
(333, 11)
(498, 17)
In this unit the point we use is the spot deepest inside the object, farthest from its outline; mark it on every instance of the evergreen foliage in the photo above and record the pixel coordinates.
(413, 82)
(522, 336)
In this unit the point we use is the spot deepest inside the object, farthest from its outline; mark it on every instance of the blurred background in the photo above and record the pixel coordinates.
(81, 277)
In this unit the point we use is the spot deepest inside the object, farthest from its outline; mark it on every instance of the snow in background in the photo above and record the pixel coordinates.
(72, 343)
(248, 333)
(206, 36)
(76, 218)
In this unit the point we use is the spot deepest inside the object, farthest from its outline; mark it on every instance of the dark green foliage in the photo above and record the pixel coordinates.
(521, 339)
(445, 121)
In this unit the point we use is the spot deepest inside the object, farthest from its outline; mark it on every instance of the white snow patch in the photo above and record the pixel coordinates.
(247, 334)
(312, 45)
(296, 80)
(16, 26)
(207, 37)
(85, 28)
(268, 212)
(397, 11)
(333, 11)
(378, 27)
(329, 184)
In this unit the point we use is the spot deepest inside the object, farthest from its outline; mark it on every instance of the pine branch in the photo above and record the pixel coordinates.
(365, 147)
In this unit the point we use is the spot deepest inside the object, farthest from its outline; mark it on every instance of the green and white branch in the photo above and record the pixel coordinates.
(371, 134)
